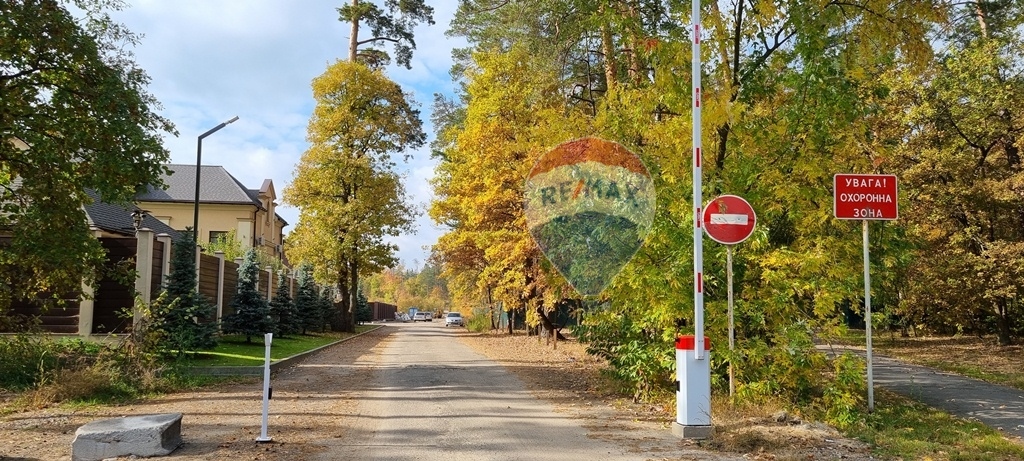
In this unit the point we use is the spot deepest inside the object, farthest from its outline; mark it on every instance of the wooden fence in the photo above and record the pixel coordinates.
(109, 306)
(382, 311)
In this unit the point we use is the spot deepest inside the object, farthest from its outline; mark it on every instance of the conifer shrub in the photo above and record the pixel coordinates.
(185, 319)
(328, 314)
(282, 310)
(363, 312)
(252, 313)
(307, 304)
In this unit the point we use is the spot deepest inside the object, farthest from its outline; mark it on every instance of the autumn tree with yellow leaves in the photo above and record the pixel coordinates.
(349, 197)
(793, 93)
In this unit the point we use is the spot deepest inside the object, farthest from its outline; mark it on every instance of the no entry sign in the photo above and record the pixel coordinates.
(728, 219)
(865, 196)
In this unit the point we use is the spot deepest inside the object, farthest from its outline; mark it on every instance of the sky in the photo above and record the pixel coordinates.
(209, 61)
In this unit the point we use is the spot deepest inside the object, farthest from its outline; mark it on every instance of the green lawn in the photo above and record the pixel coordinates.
(232, 350)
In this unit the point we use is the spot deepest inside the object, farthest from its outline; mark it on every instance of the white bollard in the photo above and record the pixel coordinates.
(693, 397)
(267, 339)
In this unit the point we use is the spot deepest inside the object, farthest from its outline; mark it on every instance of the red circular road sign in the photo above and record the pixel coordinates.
(728, 219)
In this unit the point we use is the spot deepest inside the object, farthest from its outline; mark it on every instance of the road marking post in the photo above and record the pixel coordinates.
(267, 339)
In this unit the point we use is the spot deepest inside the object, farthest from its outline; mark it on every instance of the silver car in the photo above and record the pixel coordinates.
(453, 318)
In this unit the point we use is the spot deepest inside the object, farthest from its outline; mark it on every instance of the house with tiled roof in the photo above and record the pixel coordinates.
(225, 205)
(108, 220)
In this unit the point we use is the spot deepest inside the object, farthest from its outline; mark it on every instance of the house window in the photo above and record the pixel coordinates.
(215, 235)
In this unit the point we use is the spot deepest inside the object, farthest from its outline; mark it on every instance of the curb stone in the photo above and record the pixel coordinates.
(274, 365)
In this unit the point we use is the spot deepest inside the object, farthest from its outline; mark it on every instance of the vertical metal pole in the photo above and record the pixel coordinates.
(732, 343)
(698, 235)
(195, 210)
(867, 316)
(267, 339)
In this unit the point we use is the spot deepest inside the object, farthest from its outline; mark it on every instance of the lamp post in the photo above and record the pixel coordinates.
(199, 164)
(137, 217)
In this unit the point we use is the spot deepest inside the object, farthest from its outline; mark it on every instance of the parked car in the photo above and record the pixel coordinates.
(424, 316)
(453, 318)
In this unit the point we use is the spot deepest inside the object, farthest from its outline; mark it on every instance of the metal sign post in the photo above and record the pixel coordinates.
(729, 219)
(867, 316)
(867, 197)
(732, 330)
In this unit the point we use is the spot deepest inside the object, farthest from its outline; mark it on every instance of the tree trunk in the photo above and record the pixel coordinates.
(348, 323)
(1003, 323)
(353, 39)
(608, 49)
(980, 13)
(635, 70)
(548, 324)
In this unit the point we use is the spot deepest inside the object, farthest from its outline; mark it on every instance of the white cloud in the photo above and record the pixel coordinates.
(209, 61)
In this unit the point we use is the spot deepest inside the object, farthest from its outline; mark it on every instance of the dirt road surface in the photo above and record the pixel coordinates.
(401, 392)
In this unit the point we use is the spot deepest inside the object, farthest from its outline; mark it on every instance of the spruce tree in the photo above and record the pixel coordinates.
(328, 313)
(306, 301)
(363, 312)
(252, 314)
(282, 309)
(185, 318)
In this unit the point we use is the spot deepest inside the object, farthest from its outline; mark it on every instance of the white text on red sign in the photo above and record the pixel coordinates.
(865, 196)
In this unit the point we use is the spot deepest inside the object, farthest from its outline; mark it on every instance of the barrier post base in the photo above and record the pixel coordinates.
(693, 394)
(691, 432)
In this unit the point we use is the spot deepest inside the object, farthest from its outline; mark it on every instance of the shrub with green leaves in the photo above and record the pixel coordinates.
(480, 320)
(844, 393)
(26, 359)
(639, 360)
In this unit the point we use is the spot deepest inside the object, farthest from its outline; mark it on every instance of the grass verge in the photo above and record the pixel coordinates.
(234, 351)
(904, 429)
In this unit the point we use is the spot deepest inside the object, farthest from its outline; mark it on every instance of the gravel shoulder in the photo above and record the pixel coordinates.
(222, 422)
(571, 379)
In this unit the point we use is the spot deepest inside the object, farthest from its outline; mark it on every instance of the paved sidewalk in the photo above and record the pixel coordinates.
(997, 406)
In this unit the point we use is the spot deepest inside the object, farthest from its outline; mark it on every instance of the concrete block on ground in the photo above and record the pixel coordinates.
(143, 435)
(691, 432)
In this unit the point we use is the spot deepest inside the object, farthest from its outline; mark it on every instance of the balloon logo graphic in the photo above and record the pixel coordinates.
(589, 206)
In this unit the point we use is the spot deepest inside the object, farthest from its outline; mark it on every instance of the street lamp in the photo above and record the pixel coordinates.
(137, 217)
(199, 164)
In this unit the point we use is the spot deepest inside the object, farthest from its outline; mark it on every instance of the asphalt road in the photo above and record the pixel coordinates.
(999, 407)
(431, 397)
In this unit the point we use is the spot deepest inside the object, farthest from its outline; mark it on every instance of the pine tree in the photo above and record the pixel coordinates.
(184, 317)
(306, 303)
(252, 315)
(282, 309)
